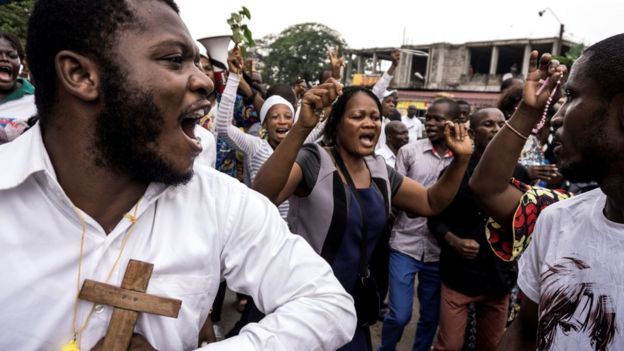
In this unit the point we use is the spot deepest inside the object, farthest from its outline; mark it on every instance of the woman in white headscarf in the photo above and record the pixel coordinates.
(277, 116)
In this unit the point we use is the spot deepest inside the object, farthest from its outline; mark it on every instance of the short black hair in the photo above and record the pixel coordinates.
(338, 111)
(395, 115)
(284, 90)
(606, 65)
(454, 110)
(15, 42)
(390, 125)
(480, 112)
(84, 26)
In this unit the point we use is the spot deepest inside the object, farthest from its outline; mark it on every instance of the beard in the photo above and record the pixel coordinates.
(127, 132)
(596, 154)
(583, 171)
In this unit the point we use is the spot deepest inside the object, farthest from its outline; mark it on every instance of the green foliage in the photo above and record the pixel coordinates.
(14, 17)
(571, 55)
(240, 31)
(299, 51)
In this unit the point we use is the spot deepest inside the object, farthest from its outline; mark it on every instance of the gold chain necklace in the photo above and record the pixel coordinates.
(74, 343)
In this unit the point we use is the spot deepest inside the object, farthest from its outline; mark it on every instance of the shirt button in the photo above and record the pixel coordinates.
(99, 308)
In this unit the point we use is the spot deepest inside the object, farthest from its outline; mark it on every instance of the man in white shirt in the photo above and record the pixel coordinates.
(414, 125)
(396, 136)
(572, 273)
(388, 98)
(388, 107)
(107, 175)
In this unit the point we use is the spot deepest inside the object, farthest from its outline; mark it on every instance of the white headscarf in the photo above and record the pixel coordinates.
(388, 93)
(272, 101)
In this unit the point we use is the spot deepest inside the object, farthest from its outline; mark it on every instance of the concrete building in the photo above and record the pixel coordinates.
(472, 66)
(460, 70)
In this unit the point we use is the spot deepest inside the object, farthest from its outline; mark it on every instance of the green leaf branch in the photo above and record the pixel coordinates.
(241, 34)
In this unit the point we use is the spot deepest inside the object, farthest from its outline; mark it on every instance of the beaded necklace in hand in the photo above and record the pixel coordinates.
(541, 123)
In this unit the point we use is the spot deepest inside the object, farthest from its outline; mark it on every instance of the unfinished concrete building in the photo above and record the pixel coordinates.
(471, 71)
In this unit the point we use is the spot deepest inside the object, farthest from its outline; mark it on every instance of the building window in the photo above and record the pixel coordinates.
(480, 58)
(419, 69)
(510, 59)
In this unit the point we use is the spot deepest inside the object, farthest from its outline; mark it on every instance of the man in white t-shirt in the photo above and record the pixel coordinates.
(572, 273)
(109, 174)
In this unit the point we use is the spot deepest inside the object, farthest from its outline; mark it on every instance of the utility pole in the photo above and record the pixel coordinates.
(559, 45)
(560, 39)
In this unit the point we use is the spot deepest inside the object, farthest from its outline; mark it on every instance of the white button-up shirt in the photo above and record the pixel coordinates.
(195, 234)
(385, 152)
(414, 127)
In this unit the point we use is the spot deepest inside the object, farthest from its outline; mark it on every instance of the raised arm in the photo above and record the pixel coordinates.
(490, 181)
(317, 131)
(336, 63)
(414, 198)
(279, 176)
(382, 84)
(236, 63)
(238, 139)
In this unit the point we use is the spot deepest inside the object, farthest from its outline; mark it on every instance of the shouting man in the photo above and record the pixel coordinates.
(107, 176)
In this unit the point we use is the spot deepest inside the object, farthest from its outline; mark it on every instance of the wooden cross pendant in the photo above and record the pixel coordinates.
(128, 300)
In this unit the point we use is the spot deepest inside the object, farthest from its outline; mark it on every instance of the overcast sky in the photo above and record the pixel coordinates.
(366, 24)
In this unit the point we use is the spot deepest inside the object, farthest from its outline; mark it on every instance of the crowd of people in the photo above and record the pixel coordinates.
(323, 206)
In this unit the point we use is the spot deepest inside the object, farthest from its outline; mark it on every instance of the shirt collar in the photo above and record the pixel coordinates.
(27, 155)
(25, 88)
(430, 148)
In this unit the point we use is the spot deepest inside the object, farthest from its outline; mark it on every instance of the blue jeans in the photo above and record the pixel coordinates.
(402, 271)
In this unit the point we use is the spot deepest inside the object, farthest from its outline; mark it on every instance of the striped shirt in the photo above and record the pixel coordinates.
(257, 150)
(411, 236)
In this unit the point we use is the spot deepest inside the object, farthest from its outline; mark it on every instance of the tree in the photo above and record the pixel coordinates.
(14, 17)
(298, 51)
(571, 56)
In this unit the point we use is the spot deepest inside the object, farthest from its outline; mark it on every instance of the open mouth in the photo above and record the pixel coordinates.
(367, 139)
(281, 131)
(189, 120)
(188, 126)
(6, 73)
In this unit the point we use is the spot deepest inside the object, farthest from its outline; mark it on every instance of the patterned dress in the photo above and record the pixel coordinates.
(509, 245)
